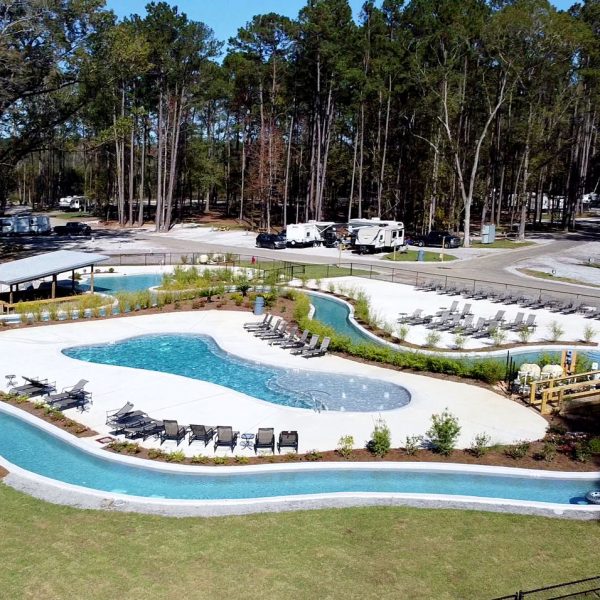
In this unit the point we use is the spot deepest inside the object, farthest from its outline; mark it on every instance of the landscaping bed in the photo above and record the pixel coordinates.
(48, 414)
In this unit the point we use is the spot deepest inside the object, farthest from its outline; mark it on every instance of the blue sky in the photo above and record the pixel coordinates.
(225, 17)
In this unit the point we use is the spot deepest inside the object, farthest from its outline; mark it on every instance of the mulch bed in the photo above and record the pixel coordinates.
(3, 472)
(66, 424)
(496, 458)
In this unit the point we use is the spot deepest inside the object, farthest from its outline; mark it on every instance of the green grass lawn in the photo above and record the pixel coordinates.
(504, 244)
(412, 255)
(310, 271)
(54, 552)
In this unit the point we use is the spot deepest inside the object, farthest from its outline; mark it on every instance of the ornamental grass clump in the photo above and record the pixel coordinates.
(443, 433)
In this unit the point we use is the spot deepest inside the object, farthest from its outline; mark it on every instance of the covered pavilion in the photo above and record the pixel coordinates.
(50, 264)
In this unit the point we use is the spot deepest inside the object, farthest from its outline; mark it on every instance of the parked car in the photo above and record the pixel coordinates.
(436, 238)
(73, 228)
(275, 241)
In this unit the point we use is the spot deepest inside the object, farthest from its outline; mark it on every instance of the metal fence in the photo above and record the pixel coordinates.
(369, 271)
(580, 589)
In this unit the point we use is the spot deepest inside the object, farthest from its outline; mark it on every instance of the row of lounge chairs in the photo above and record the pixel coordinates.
(533, 302)
(455, 320)
(286, 335)
(74, 396)
(134, 424)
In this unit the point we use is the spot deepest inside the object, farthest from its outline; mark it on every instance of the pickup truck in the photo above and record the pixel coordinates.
(73, 228)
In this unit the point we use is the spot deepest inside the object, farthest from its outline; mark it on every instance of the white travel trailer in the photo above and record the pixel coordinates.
(26, 225)
(306, 234)
(40, 225)
(74, 203)
(376, 235)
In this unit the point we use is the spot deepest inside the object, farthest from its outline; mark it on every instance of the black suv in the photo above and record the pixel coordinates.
(436, 238)
(73, 228)
(275, 241)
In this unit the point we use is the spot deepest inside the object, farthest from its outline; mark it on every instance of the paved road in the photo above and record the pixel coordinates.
(491, 268)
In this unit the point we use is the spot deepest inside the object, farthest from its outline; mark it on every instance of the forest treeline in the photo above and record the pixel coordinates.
(439, 113)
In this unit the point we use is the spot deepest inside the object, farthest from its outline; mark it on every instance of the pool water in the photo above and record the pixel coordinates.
(40, 452)
(336, 314)
(199, 357)
(123, 283)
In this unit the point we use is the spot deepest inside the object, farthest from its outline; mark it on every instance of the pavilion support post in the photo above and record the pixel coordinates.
(92, 278)
(10, 294)
(53, 293)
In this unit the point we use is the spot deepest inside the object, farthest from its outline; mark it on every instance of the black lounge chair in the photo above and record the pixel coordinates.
(289, 336)
(172, 431)
(314, 340)
(265, 438)
(226, 437)
(144, 429)
(201, 433)
(33, 387)
(408, 318)
(318, 351)
(254, 324)
(277, 332)
(75, 391)
(124, 414)
(288, 439)
(266, 326)
(298, 343)
(81, 402)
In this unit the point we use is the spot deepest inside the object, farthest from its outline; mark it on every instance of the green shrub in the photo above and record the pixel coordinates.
(547, 453)
(480, 445)
(432, 339)
(241, 460)
(381, 439)
(176, 456)
(237, 299)
(402, 332)
(498, 335)
(413, 444)
(556, 331)
(588, 333)
(443, 433)
(594, 445)
(220, 460)
(156, 453)
(200, 459)
(313, 455)
(518, 450)
(525, 333)
(581, 452)
(459, 340)
(345, 446)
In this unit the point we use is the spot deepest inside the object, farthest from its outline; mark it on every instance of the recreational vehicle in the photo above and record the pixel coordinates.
(306, 234)
(74, 203)
(25, 225)
(377, 235)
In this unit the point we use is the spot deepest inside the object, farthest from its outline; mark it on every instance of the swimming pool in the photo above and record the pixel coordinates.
(123, 283)
(200, 357)
(38, 451)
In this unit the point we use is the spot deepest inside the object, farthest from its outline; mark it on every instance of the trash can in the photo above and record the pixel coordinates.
(259, 305)
(421, 255)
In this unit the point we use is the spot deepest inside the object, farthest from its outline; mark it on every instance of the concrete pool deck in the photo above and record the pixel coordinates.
(37, 352)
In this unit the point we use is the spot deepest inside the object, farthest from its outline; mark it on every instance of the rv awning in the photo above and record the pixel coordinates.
(44, 265)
